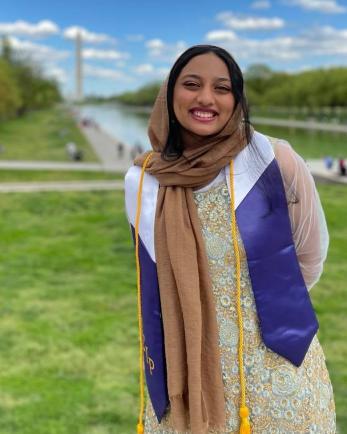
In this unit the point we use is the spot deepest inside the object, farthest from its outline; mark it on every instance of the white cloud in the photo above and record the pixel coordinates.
(326, 6)
(149, 70)
(239, 22)
(42, 29)
(326, 40)
(145, 68)
(86, 35)
(261, 4)
(91, 53)
(159, 50)
(37, 52)
(112, 74)
(221, 35)
(155, 44)
(135, 38)
(321, 41)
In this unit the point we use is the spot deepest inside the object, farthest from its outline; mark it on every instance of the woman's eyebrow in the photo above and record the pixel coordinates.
(199, 77)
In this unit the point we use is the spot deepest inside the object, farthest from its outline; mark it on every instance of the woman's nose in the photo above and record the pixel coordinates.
(205, 96)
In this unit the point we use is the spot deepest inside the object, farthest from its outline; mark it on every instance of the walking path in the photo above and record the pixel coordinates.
(322, 174)
(106, 148)
(51, 165)
(30, 187)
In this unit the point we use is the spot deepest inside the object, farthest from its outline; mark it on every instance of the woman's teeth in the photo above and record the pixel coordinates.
(204, 115)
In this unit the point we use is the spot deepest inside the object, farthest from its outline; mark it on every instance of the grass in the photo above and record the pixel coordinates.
(310, 144)
(68, 322)
(7, 175)
(329, 297)
(68, 336)
(42, 135)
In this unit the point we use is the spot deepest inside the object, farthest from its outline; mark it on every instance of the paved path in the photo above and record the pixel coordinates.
(30, 187)
(50, 165)
(105, 148)
(320, 173)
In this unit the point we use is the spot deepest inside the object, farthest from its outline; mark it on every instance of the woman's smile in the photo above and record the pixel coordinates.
(203, 115)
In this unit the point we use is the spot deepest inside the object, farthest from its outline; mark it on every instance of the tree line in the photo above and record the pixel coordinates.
(264, 87)
(23, 86)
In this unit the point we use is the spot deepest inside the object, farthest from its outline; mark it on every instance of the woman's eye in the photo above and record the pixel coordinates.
(223, 88)
(190, 84)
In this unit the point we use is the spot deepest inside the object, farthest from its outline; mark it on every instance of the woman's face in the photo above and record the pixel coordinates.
(203, 101)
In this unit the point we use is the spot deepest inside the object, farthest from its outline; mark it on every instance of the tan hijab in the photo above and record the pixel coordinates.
(194, 375)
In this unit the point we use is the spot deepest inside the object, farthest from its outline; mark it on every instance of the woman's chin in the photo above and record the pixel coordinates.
(203, 130)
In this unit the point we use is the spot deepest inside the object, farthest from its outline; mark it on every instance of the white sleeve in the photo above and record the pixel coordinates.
(309, 228)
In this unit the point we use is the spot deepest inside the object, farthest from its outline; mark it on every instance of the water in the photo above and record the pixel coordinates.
(126, 124)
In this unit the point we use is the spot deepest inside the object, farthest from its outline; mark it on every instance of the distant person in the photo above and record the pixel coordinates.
(224, 265)
(120, 150)
(342, 167)
(328, 162)
(71, 149)
(73, 152)
(78, 155)
(86, 122)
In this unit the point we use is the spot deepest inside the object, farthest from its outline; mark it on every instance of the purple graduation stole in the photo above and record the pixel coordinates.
(152, 325)
(153, 332)
(287, 320)
(286, 316)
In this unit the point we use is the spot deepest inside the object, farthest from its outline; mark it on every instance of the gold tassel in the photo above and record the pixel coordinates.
(140, 428)
(245, 427)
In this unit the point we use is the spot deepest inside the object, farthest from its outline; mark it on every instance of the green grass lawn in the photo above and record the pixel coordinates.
(55, 175)
(68, 322)
(310, 144)
(42, 135)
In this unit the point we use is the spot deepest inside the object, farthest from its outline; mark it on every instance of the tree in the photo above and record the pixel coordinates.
(6, 51)
(10, 99)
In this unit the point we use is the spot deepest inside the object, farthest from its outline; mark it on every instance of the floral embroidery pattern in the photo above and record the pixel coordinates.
(282, 398)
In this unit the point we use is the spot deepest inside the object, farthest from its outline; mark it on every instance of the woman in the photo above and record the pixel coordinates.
(230, 235)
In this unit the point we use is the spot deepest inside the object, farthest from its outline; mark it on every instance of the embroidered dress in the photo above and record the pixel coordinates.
(282, 398)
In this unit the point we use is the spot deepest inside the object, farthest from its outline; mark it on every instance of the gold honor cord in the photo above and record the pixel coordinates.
(140, 427)
(245, 427)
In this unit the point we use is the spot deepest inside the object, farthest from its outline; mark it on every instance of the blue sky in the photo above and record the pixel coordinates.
(129, 43)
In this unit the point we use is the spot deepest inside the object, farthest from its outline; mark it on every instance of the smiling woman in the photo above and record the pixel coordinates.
(230, 235)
